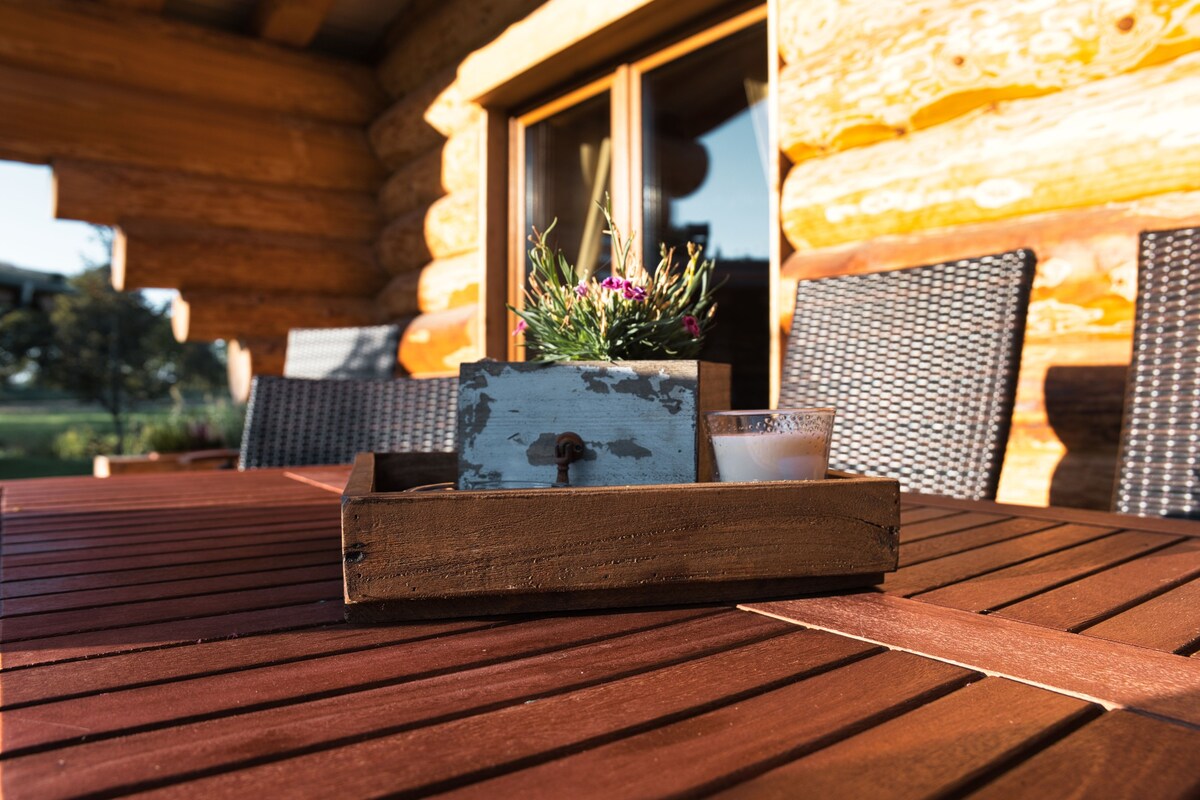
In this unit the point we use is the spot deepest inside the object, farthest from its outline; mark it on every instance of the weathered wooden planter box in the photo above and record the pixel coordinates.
(640, 421)
(420, 555)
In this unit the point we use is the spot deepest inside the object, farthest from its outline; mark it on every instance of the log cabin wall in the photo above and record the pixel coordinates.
(237, 170)
(430, 140)
(925, 130)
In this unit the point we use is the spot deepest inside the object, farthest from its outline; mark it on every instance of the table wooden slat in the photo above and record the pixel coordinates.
(981, 560)
(182, 635)
(1167, 622)
(1120, 756)
(1112, 673)
(1011, 584)
(929, 548)
(938, 748)
(722, 747)
(1099, 596)
(373, 718)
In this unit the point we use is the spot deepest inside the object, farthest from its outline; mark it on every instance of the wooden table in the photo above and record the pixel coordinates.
(181, 636)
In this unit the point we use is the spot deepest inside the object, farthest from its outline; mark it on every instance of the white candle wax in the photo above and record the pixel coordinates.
(780, 456)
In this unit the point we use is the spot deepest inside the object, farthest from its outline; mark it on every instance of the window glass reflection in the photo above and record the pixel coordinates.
(569, 170)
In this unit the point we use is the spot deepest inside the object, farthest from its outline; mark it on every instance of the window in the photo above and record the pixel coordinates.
(678, 139)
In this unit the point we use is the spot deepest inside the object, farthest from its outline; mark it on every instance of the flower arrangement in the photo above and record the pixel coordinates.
(631, 314)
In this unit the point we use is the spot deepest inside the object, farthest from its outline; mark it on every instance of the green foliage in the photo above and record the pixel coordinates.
(83, 441)
(105, 347)
(210, 427)
(569, 316)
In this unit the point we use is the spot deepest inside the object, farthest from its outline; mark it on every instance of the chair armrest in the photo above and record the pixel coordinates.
(196, 456)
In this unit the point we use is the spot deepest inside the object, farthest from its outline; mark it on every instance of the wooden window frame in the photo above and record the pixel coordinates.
(503, 165)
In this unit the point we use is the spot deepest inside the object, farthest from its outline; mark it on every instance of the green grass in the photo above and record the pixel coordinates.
(31, 430)
(28, 428)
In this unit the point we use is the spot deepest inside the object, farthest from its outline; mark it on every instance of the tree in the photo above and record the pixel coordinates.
(106, 347)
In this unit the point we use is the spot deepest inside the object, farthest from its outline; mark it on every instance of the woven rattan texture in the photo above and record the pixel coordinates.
(1160, 438)
(368, 352)
(294, 421)
(921, 365)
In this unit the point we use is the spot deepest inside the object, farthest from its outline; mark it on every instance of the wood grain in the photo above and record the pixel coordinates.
(988, 558)
(934, 749)
(203, 316)
(440, 285)
(159, 56)
(1111, 673)
(417, 555)
(107, 194)
(437, 342)
(1166, 622)
(1091, 599)
(376, 720)
(1006, 161)
(44, 117)
(1012, 584)
(1120, 755)
(857, 73)
(157, 255)
(714, 749)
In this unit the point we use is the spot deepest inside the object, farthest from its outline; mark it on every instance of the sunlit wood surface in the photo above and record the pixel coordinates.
(181, 636)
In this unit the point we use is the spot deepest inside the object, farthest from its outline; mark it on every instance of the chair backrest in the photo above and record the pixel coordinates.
(368, 352)
(295, 421)
(921, 365)
(1157, 470)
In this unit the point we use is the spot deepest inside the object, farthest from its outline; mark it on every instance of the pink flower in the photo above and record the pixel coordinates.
(521, 326)
(613, 283)
(691, 326)
(581, 289)
(635, 293)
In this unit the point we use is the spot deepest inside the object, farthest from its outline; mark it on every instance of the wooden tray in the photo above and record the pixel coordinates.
(422, 555)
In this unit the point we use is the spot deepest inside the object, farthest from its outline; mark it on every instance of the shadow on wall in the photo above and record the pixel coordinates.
(1084, 405)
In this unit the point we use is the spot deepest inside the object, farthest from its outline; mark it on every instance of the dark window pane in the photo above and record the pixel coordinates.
(705, 168)
(568, 158)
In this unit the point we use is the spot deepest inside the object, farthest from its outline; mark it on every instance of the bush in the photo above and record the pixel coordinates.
(210, 427)
(83, 441)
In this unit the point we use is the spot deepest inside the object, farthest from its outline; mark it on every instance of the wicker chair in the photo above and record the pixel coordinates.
(1157, 470)
(368, 352)
(294, 422)
(921, 365)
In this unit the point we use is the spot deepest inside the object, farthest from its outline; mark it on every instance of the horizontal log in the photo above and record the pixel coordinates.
(441, 285)
(291, 22)
(461, 159)
(1055, 237)
(415, 185)
(204, 316)
(855, 75)
(401, 247)
(152, 255)
(45, 117)
(245, 358)
(1107, 141)
(449, 227)
(105, 194)
(401, 133)
(452, 224)
(444, 35)
(88, 41)
(437, 343)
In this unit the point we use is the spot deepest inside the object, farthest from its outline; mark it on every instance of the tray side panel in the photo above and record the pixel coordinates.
(471, 553)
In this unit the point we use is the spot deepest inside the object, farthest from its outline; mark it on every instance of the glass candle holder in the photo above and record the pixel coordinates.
(788, 444)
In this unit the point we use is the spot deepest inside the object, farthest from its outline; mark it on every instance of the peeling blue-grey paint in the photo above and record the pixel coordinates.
(637, 418)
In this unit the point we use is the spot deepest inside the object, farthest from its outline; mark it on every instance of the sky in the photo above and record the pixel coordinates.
(30, 237)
